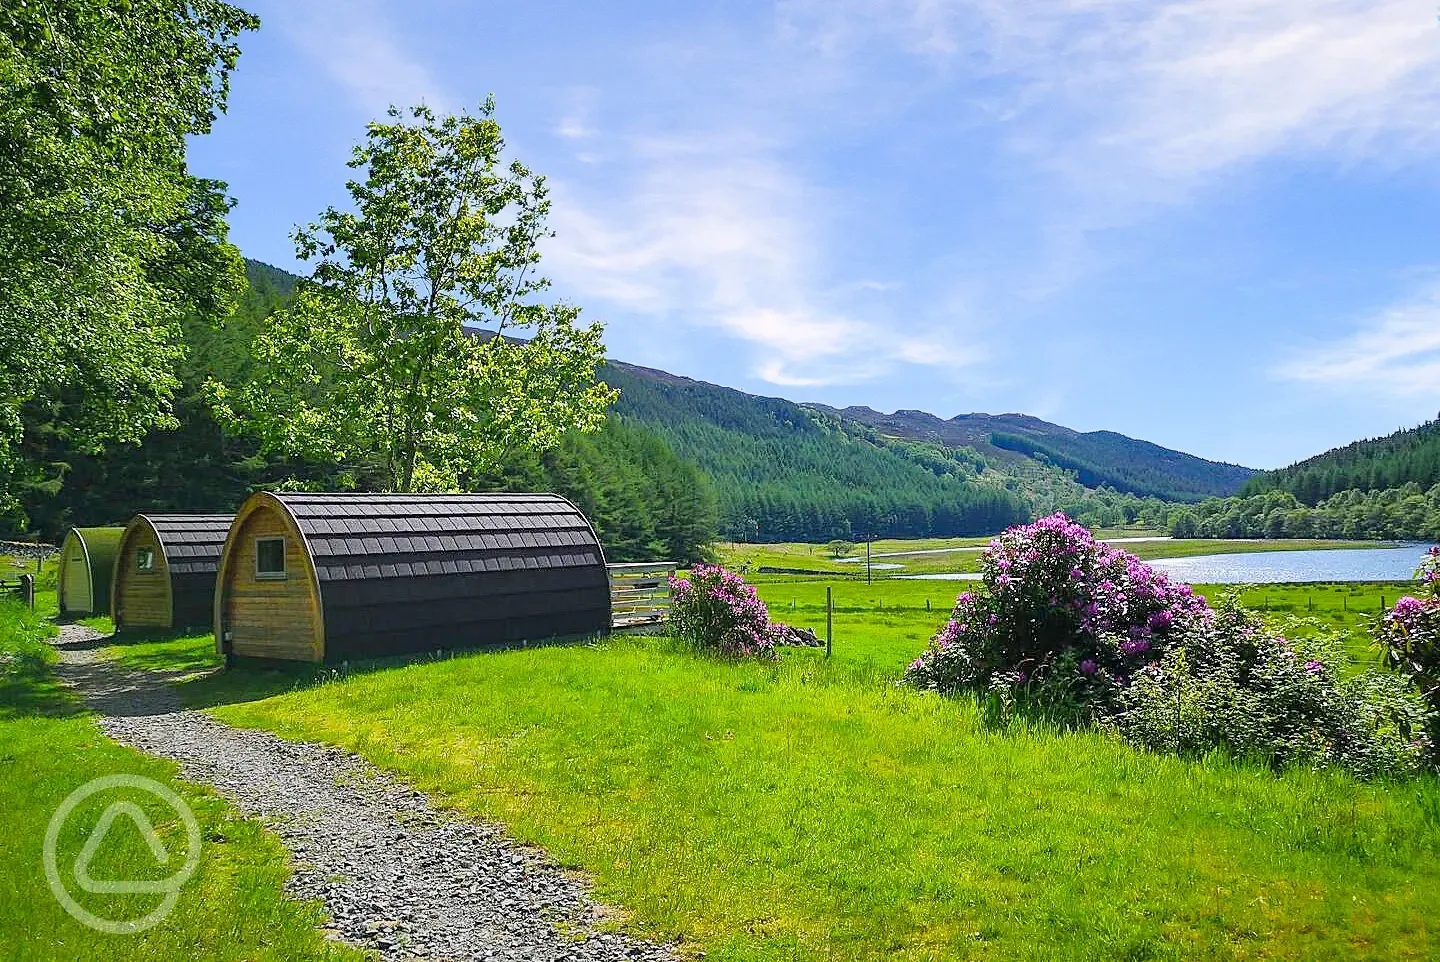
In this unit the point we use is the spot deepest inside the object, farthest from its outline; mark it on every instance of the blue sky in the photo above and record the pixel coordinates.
(1212, 224)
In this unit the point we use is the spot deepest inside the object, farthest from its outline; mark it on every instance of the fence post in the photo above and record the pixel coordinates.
(27, 590)
(829, 621)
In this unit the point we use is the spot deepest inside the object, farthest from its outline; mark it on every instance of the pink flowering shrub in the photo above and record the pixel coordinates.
(1084, 633)
(1060, 613)
(715, 610)
(1409, 634)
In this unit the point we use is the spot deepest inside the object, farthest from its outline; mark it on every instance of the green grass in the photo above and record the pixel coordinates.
(232, 909)
(180, 653)
(883, 626)
(802, 811)
(813, 557)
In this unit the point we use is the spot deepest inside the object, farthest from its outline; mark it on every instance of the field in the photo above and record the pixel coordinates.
(884, 625)
(962, 555)
(233, 908)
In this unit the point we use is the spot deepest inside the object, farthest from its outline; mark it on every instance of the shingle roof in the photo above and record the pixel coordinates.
(368, 536)
(192, 543)
(407, 572)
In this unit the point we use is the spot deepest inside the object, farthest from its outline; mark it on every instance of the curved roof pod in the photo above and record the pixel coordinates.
(329, 577)
(87, 561)
(165, 570)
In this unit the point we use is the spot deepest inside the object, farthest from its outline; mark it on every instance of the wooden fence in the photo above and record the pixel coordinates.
(639, 593)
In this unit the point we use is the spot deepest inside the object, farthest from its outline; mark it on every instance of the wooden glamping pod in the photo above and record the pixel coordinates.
(329, 577)
(165, 570)
(87, 559)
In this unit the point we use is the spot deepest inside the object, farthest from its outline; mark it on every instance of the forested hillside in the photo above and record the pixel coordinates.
(645, 502)
(1097, 457)
(678, 462)
(783, 474)
(1405, 457)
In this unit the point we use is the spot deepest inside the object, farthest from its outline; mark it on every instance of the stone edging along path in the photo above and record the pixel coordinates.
(395, 874)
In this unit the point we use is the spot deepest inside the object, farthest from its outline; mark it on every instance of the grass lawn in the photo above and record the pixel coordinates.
(233, 908)
(802, 811)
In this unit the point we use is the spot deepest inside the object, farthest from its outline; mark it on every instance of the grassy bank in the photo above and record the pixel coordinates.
(234, 906)
(801, 812)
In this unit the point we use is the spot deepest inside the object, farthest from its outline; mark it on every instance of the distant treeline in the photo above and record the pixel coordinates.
(646, 503)
(1404, 513)
(1409, 456)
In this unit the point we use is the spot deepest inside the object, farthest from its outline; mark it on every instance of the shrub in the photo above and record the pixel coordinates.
(1409, 633)
(1060, 613)
(1230, 683)
(1083, 633)
(715, 610)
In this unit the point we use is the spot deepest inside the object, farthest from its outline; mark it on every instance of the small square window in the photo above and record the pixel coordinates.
(145, 559)
(269, 557)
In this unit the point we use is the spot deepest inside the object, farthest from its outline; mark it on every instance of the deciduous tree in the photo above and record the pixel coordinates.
(420, 340)
(106, 241)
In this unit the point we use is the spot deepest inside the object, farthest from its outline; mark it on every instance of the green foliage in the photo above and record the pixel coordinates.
(646, 503)
(714, 610)
(1138, 467)
(372, 362)
(780, 473)
(1232, 684)
(1404, 513)
(1406, 457)
(106, 241)
(194, 466)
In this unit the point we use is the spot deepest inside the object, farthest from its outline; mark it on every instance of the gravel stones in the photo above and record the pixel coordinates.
(395, 874)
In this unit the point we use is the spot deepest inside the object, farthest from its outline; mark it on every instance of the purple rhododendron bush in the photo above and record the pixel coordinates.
(1083, 633)
(715, 610)
(1409, 634)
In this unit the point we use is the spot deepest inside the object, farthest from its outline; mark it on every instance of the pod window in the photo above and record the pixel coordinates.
(145, 559)
(269, 557)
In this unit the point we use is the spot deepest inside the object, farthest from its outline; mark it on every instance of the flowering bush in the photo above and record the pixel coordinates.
(1409, 634)
(1229, 682)
(1060, 613)
(715, 610)
(1086, 633)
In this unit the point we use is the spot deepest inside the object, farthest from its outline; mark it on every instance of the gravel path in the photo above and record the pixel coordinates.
(395, 874)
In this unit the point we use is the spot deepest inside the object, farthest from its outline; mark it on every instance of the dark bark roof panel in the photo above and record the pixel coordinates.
(192, 543)
(413, 572)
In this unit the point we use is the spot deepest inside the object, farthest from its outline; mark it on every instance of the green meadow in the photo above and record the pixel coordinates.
(807, 811)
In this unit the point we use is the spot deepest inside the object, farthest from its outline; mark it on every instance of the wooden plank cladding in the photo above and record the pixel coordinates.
(87, 563)
(639, 593)
(366, 575)
(165, 568)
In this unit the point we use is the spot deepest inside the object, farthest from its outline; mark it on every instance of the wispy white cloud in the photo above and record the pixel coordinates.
(714, 232)
(359, 48)
(1395, 353)
(1147, 98)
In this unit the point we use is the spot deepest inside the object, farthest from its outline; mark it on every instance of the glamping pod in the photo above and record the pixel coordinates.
(328, 577)
(87, 559)
(165, 570)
